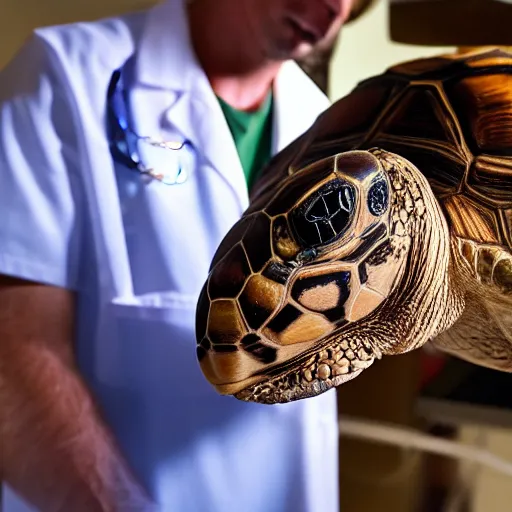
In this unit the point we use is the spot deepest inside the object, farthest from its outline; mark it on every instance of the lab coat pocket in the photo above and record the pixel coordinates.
(148, 341)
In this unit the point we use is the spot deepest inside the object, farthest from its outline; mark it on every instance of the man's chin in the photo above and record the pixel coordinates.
(287, 50)
(302, 51)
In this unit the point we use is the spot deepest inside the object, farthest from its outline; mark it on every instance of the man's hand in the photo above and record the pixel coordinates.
(55, 450)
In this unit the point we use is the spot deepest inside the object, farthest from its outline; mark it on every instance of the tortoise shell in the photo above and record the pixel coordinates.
(451, 116)
(318, 266)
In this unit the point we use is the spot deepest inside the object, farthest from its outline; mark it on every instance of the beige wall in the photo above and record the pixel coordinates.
(19, 17)
(366, 50)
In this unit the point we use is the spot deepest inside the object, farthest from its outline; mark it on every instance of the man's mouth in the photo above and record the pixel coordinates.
(306, 32)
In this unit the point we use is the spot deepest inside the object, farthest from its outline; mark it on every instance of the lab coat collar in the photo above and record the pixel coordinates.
(167, 68)
(298, 103)
(166, 59)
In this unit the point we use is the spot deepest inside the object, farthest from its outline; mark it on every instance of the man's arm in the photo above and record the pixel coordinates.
(55, 450)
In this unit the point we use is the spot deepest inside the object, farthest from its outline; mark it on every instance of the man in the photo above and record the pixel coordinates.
(106, 239)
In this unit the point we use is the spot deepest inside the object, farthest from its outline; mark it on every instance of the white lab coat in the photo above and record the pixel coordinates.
(138, 254)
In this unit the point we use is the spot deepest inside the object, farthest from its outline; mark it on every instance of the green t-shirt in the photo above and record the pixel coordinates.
(252, 132)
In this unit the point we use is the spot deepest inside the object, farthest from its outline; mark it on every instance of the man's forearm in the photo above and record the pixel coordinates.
(55, 451)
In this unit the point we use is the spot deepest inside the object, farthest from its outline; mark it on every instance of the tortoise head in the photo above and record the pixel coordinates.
(306, 292)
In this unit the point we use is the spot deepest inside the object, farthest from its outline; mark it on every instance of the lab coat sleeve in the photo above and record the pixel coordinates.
(40, 198)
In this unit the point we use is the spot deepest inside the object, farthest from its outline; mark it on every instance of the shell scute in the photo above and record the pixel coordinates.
(354, 115)
(490, 178)
(483, 104)
(431, 119)
(225, 326)
(258, 246)
(472, 220)
(228, 277)
(491, 58)
(421, 67)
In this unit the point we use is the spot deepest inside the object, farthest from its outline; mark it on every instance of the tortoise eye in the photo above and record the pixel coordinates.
(325, 214)
(378, 197)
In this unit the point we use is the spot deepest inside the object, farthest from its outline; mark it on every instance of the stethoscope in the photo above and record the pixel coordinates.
(124, 141)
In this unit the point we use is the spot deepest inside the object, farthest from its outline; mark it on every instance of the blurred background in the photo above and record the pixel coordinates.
(417, 391)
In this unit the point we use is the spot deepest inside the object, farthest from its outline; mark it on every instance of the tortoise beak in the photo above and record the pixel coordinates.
(281, 390)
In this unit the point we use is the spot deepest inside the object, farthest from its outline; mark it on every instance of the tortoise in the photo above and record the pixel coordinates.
(385, 226)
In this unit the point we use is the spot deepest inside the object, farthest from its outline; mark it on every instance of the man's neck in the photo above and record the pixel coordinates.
(237, 70)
